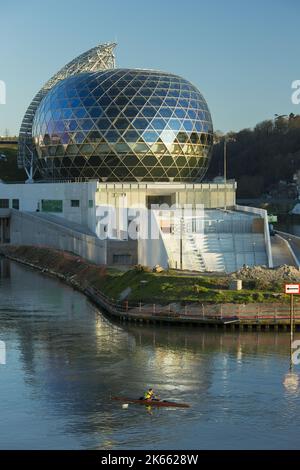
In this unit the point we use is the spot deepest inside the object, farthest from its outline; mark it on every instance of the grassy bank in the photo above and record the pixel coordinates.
(148, 287)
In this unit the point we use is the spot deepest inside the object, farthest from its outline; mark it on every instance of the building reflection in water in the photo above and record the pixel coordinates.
(291, 382)
(4, 268)
(72, 359)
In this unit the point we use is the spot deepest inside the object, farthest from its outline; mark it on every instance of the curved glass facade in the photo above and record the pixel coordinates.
(98, 58)
(124, 125)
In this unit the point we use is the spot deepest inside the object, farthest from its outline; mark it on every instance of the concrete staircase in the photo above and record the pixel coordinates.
(215, 250)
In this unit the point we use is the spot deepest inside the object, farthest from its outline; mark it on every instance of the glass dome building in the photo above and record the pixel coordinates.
(123, 125)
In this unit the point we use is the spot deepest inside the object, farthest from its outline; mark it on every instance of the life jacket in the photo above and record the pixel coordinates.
(149, 394)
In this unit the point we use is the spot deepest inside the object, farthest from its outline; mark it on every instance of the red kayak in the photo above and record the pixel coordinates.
(169, 404)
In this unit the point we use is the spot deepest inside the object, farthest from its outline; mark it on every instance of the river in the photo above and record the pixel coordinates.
(65, 359)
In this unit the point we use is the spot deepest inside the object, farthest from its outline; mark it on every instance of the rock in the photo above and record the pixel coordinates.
(158, 269)
(281, 274)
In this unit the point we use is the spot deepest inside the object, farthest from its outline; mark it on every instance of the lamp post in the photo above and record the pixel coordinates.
(292, 329)
(181, 239)
(225, 173)
(180, 245)
(227, 138)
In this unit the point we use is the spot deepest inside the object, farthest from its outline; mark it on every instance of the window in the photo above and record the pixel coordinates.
(15, 204)
(91, 203)
(75, 203)
(52, 205)
(122, 259)
(4, 203)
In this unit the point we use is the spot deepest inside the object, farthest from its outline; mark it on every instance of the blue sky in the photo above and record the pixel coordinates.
(242, 55)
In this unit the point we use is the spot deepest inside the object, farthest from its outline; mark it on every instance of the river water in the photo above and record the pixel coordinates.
(64, 360)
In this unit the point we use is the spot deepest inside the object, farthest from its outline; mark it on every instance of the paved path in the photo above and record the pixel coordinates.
(294, 242)
(281, 253)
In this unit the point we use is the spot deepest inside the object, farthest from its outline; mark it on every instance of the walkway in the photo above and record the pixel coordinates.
(281, 253)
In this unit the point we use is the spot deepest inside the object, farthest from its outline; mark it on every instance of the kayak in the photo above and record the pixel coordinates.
(166, 403)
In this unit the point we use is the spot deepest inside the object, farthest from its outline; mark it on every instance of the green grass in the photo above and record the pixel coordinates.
(147, 286)
(169, 287)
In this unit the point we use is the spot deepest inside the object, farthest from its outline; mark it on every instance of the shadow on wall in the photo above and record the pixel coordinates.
(28, 229)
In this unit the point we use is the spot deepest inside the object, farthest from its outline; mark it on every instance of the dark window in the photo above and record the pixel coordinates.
(4, 203)
(122, 259)
(74, 202)
(52, 205)
(91, 203)
(15, 204)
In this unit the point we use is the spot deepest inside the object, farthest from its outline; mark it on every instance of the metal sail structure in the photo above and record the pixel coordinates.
(98, 58)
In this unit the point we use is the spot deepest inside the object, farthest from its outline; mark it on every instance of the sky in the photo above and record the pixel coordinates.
(242, 55)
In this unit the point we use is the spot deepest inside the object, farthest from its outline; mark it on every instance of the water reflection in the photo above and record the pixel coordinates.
(65, 360)
(291, 382)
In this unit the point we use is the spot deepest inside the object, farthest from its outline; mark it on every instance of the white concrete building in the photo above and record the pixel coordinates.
(77, 217)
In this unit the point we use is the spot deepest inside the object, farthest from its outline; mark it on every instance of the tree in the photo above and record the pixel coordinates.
(259, 158)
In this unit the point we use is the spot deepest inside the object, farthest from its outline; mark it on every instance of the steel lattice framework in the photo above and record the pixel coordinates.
(98, 58)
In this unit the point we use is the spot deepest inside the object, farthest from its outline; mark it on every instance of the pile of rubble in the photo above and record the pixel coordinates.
(266, 275)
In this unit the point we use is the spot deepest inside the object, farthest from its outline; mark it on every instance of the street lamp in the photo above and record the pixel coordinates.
(225, 173)
(226, 139)
(181, 239)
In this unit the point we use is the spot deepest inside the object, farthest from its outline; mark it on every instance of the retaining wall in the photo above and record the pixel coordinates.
(28, 229)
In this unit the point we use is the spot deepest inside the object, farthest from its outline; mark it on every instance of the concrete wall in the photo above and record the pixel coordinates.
(212, 195)
(124, 248)
(152, 251)
(258, 225)
(29, 229)
(146, 251)
(264, 215)
(31, 195)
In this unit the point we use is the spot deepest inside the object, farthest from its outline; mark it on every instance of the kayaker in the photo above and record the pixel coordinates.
(150, 395)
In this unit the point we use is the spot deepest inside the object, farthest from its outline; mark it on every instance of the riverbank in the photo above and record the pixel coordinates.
(172, 297)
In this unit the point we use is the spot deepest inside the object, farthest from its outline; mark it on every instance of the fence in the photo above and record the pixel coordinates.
(272, 313)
